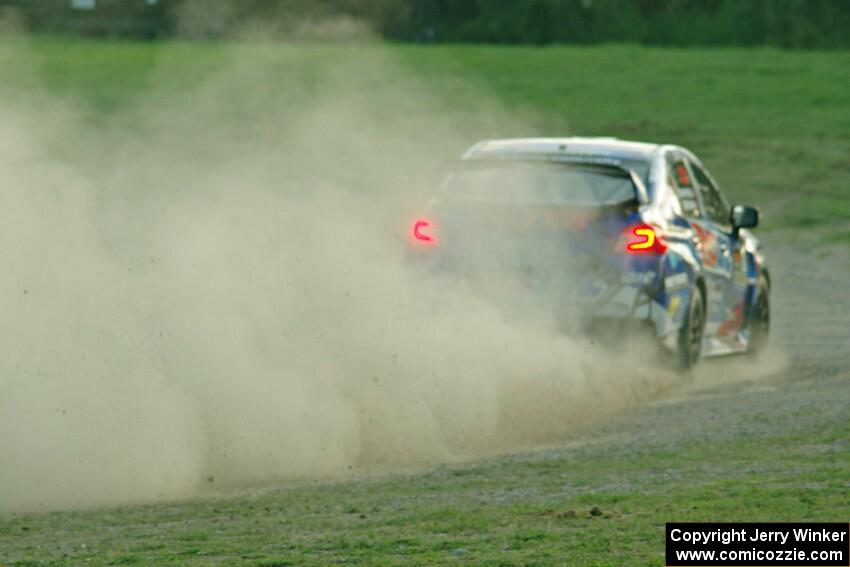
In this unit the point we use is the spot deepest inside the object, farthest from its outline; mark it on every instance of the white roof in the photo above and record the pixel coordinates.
(607, 147)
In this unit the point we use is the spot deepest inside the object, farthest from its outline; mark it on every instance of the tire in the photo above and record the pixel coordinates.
(759, 319)
(689, 340)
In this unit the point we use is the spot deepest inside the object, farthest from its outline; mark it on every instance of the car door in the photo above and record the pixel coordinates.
(721, 256)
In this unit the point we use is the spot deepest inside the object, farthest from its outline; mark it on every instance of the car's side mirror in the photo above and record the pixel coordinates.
(744, 217)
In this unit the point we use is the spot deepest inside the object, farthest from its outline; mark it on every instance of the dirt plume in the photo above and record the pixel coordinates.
(213, 282)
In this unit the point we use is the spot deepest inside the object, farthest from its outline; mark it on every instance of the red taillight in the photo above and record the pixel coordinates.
(644, 239)
(421, 230)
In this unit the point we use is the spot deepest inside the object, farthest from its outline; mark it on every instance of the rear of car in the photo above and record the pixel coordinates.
(597, 231)
(568, 230)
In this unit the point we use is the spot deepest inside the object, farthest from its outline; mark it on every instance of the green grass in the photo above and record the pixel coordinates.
(840, 236)
(773, 126)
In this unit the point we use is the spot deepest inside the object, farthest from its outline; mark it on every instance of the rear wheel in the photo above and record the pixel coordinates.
(759, 320)
(689, 343)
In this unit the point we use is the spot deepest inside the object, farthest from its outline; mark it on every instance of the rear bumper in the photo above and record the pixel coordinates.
(632, 309)
(606, 302)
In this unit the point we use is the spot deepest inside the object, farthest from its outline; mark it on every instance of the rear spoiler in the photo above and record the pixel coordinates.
(612, 166)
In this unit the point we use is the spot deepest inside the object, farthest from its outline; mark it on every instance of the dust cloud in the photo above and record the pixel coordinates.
(213, 283)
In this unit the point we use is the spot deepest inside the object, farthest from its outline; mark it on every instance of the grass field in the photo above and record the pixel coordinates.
(773, 126)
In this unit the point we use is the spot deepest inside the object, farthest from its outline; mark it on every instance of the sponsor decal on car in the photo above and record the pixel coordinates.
(708, 245)
(673, 308)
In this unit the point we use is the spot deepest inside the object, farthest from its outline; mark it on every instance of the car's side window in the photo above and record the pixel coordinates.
(714, 205)
(679, 178)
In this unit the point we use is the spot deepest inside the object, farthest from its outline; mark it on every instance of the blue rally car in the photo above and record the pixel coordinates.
(605, 231)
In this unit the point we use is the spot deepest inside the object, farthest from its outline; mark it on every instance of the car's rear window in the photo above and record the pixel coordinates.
(542, 183)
